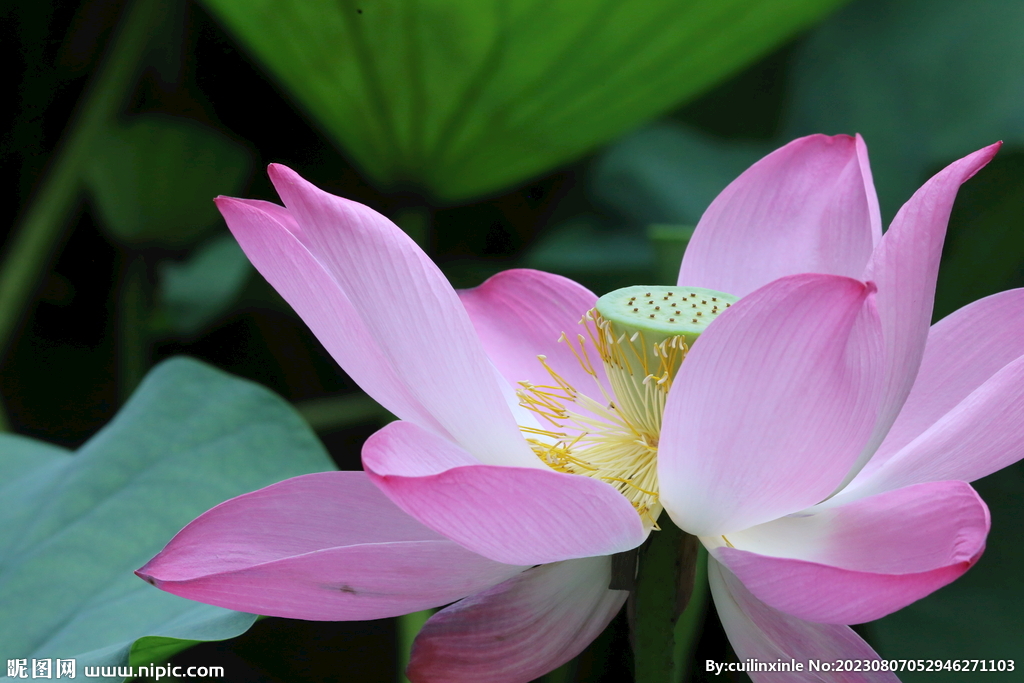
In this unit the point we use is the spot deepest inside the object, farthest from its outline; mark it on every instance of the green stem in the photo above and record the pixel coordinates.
(664, 585)
(690, 626)
(42, 226)
(409, 626)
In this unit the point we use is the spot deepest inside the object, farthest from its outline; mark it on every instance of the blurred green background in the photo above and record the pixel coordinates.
(574, 136)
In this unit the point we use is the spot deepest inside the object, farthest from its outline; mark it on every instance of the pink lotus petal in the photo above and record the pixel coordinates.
(863, 560)
(982, 434)
(509, 514)
(521, 629)
(953, 368)
(268, 235)
(326, 546)
(904, 267)
(520, 314)
(414, 316)
(772, 405)
(809, 207)
(757, 631)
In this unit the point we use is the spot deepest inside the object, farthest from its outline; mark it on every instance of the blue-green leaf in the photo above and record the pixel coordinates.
(73, 527)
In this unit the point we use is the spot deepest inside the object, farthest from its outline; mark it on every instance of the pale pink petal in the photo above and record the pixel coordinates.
(874, 212)
(520, 314)
(268, 237)
(757, 631)
(964, 350)
(414, 316)
(982, 434)
(863, 560)
(772, 405)
(509, 514)
(904, 267)
(521, 629)
(809, 207)
(326, 546)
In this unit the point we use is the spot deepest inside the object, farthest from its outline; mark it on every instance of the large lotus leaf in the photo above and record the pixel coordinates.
(154, 178)
(73, 527)
(925, 82)
(980, 616)
(465, 97)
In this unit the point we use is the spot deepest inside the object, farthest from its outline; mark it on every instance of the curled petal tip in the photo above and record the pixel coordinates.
(144, 576)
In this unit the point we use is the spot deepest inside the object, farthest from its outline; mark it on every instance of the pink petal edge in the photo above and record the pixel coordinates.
(521, 629)
(904, 266)
(964, 350)
(852, 563)
(268, 235)
(520, 314)
(759, 632)
(808, 207)
(326, 546)
(508, 514)
(788, 373)
(414, 316)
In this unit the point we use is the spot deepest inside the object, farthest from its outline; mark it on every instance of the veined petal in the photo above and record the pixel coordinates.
(326, 546)
(846, 564)
(521, 629)
(269, 236)
(963, 352)
(520, 314)
(757, 631)
(413, 314)
(772, 405)
(809, 207)
(509, 514)
(904, 267)
(982, 434)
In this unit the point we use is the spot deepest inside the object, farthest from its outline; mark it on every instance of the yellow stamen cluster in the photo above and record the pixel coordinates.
(614, 439)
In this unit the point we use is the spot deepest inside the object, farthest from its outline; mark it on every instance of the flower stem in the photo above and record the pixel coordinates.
(409, 626)
(41, 228)
(690, 626)
(664, 584)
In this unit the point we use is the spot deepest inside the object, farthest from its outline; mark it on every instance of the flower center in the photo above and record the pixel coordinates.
(642, 335)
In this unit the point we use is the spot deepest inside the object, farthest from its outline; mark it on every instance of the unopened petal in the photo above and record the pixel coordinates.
(414, 316)
(326, 546)
(521, 629)
(858, 562)
(772, 405)
(510, 514)
(757, 631)
(809, 207)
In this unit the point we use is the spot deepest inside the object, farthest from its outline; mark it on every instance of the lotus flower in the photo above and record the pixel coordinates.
(786, 403)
